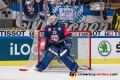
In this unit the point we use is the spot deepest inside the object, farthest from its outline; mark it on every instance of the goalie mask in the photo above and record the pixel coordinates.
(53, 20)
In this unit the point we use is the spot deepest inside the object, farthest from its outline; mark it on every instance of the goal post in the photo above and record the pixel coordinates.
(80, 51)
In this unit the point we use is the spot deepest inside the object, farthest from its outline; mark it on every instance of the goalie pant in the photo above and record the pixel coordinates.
(66, 59)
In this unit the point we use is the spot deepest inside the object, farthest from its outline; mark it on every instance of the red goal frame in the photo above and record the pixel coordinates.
(89, 68)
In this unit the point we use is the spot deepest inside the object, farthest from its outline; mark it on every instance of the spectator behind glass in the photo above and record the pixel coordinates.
(54, 1)
(57, 2)
(77, 2)
(67, 2)
(61, 2)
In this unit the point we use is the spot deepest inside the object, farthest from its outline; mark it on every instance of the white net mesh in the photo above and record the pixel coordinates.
(83, 52)
(80, 51)
(33, 58)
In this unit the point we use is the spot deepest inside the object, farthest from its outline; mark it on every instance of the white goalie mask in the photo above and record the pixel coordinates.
(53, 19)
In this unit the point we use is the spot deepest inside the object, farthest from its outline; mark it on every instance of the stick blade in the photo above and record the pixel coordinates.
(26, 68)
(23, 69)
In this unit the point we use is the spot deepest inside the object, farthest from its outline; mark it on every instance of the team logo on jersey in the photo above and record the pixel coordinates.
(54, 37)
(49, 29)
(59, 28)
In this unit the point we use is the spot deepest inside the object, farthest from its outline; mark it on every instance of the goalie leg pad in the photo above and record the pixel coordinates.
(46, 59)
(68, 61)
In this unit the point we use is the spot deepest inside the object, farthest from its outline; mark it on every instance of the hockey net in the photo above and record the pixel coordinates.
(80, 51)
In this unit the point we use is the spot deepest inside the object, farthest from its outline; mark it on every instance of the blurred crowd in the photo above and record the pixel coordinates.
(68, 2)
(57, 2)
(62, 2)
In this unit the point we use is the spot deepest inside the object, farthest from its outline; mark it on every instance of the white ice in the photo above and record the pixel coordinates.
(13, 73)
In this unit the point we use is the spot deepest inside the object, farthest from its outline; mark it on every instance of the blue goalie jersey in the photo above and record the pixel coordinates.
(57, 33)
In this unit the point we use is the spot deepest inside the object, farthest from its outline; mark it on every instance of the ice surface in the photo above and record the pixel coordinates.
(13, 73)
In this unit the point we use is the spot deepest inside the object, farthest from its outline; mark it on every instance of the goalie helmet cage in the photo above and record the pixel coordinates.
(80, 51)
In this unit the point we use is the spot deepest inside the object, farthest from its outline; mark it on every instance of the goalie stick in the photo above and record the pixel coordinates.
(61, 54)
